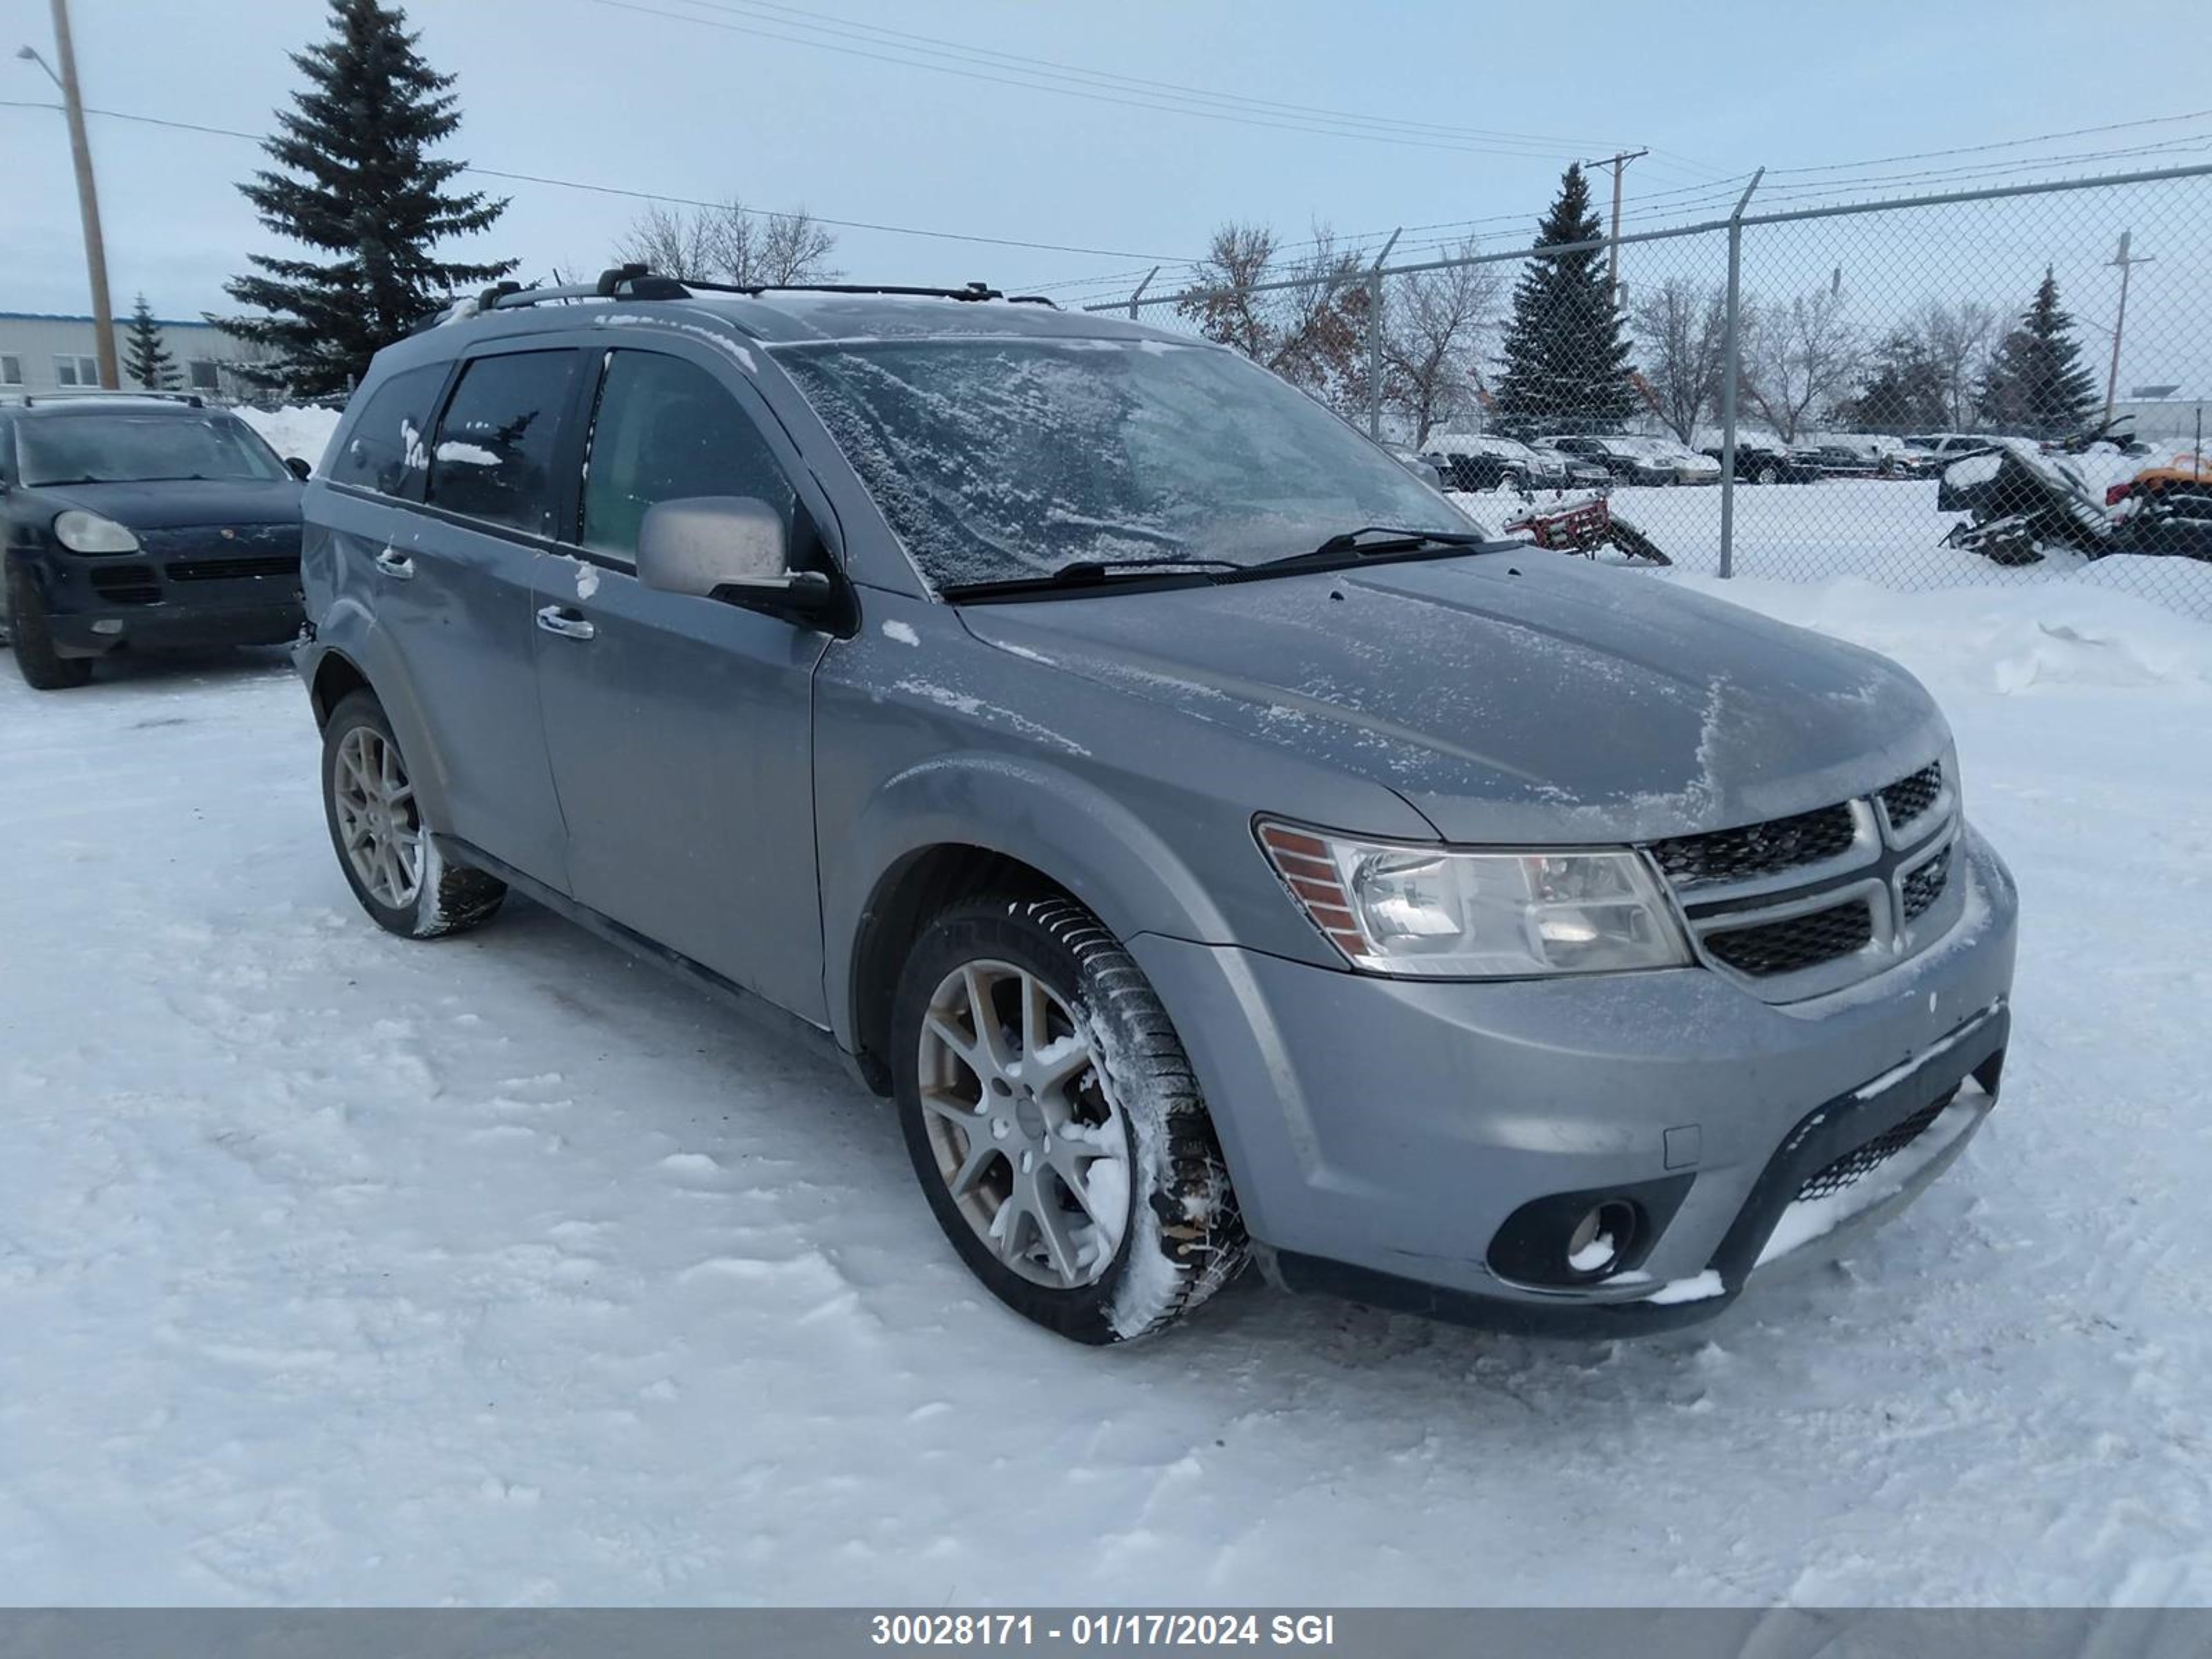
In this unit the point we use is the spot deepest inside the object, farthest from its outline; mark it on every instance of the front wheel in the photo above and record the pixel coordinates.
(1055, 1124)
(43, 667)
(384, 847)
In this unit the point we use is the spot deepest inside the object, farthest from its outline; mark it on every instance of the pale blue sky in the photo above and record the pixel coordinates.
(586, 90)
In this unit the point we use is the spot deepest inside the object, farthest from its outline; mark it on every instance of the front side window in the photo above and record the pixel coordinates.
(492, 457)
(386, 446)
(1002, 460)
(119, 447)
(664, 430)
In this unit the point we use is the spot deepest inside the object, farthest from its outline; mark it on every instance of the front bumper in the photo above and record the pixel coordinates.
(1381, 1133)
(184, 588)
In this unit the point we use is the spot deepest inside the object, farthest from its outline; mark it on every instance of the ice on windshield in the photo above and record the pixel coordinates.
(127, 448)
(1002, 459)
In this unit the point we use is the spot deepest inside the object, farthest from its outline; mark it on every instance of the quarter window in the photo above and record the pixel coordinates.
(387, 447)
(493, 455)
(666, 430)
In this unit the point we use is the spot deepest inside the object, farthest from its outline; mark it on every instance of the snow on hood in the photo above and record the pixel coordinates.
(1509, 695)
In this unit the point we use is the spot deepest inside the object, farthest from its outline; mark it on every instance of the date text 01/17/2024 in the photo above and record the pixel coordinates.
(1085, 1630)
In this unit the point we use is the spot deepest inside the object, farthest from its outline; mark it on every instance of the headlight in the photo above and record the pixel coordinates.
(1434, 913)
(88, 532)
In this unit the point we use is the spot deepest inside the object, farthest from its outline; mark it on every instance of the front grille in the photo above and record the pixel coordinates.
(127, 583)
(1925, 885)
(1756, 849)
(224, 570)
(1784, 947)
(1908, 798)
(1863, 1161)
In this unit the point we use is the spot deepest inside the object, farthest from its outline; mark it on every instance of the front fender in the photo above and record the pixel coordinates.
(1023, 808)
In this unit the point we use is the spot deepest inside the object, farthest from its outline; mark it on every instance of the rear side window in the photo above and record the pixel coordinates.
(493, 455)
(666, 431)
(387, 444)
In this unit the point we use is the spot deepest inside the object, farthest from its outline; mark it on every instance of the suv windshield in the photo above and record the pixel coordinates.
(1001, 459)
(122, 448)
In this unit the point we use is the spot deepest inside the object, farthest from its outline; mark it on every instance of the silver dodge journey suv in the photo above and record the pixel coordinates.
(1218, 846)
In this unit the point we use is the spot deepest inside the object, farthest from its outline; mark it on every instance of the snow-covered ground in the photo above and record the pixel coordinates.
(338, 1269)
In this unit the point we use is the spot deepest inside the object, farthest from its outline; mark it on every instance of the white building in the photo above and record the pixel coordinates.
(2170, 419)
(40, 352)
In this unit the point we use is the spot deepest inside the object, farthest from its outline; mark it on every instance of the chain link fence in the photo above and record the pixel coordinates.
(2000, 384)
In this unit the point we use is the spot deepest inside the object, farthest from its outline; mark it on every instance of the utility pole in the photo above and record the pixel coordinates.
(88, 195)
(1617, 162)
(2126, 262)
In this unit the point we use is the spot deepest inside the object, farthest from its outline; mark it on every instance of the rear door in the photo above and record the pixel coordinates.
(456, 596)
(681, 729)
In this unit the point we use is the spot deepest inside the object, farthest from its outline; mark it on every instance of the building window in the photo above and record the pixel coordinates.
(11, 371)
(205, 374)
(76, 371)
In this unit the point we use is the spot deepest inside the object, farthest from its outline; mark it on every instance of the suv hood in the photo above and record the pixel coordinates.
(177, 503)
(1508, 696)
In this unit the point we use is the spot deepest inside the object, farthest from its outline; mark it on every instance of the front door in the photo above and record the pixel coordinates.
(681, 729)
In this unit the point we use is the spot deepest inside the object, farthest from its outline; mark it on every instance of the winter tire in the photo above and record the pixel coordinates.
(43, 667)
(386, 850)
(1054, 1123)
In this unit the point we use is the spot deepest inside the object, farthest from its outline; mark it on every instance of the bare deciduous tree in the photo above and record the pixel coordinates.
(1432, 321)
(1798, 356)
(1303, 317)
(1682, 335)
(1955, 340)
(731, 244)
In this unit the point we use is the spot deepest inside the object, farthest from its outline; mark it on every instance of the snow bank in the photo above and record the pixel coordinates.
(295, 430)
(2076, 632)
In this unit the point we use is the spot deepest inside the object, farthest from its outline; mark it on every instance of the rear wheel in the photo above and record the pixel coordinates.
(43, 667)
(1053, 1122)
(385, 848)
(1768, 474)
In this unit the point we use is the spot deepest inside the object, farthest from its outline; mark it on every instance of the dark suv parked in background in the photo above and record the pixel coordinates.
(141, 521)
(1215, 842)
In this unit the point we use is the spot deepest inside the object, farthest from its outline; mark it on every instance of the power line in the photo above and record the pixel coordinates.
(2006, 144)
(794, 16)
(644, 195)
(1331, 128)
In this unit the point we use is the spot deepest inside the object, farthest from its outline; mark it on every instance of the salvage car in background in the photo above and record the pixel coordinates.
(1624, 458)
(141, 521)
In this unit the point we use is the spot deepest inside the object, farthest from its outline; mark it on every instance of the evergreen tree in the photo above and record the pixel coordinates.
(1567, 363)
(2035, 384)
(1904, 392)
(360, 185)
(145, 358)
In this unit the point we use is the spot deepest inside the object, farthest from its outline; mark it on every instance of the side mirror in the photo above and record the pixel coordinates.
(726, 547)
(298, 468)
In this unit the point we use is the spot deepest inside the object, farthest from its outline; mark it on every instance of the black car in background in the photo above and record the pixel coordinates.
(1770, 462)
(144, 521)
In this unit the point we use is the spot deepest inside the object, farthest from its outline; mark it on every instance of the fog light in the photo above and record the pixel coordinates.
(108, 625)
(1601, 1238)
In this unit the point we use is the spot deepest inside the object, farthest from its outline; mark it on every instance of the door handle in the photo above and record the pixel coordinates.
(566, 621)
(395, 564)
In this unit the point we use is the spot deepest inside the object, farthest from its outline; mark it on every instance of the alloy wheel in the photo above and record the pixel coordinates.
(378, 822)
(1026, 1135)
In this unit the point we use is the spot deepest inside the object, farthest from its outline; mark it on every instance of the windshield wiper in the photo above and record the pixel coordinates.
(1354, 544)
(1093, 573)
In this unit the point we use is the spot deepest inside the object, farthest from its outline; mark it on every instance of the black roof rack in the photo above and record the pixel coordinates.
(638, 282)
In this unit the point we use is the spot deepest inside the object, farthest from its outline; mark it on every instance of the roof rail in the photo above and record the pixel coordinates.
(72, 394)
(639, 281)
